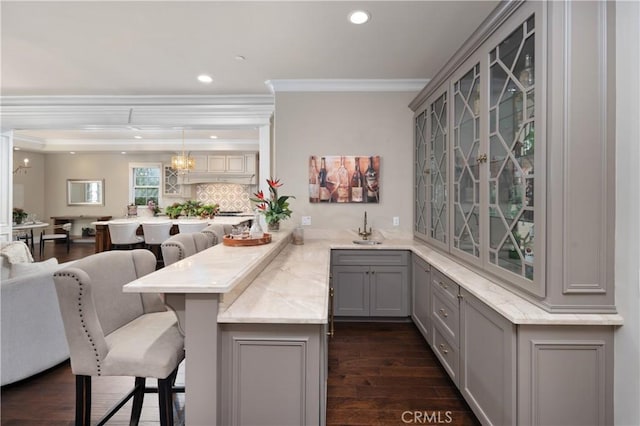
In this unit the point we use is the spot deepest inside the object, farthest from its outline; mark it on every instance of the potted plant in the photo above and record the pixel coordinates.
(208, 210)
(174, 210)
(19, 215)
(275, 208)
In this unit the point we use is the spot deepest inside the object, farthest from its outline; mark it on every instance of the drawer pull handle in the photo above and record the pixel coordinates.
(443, 285)
(444, 313)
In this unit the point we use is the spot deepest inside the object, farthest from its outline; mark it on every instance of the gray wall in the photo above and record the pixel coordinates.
(346, 124)
(627, 272)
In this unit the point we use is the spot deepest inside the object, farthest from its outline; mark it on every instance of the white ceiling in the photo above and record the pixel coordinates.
(116, 48)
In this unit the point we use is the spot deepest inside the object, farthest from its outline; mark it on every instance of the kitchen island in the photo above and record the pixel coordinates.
(103, 240)
(256, 322)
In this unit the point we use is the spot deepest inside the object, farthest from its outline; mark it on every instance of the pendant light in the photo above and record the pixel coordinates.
(182, 163)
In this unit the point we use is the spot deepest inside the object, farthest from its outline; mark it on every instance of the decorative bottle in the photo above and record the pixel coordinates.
(343, 183)
(325, 194)
(357, 183)
(314, 186)
(371, 177)
(256, 230)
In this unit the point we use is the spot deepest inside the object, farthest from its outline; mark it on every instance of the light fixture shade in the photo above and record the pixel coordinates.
(182, 163)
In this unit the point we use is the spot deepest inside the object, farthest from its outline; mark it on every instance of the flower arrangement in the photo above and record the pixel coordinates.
(19, 215)
(275, 208)
(153, 207)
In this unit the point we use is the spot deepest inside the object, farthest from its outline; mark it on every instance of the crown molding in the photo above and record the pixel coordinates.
(347, 85)
(58, 112)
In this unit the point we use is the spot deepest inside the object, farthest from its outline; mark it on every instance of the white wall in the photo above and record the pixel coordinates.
(346, 124)
(627, 272)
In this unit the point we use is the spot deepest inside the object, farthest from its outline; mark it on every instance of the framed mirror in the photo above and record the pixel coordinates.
(84, 192)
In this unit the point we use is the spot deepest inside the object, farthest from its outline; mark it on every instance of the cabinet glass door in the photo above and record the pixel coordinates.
(420, 182)
(466, 176)
(511, 152)
(438, 168)
(171, 186)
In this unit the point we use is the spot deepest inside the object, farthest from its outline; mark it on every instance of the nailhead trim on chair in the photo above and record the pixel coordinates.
(180, 251)
(84, 327)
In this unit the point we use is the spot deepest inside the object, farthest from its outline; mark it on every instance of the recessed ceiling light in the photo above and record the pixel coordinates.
(138, 137)
(15, 148)
(72, 152)
(213, 137)
(359, 17)
(203, 78)
(240, 58)
(123, 152)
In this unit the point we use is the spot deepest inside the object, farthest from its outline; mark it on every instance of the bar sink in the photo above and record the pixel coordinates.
(366, 242)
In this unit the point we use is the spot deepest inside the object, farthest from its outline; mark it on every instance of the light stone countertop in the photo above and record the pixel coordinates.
(284, 283)
(222, 220)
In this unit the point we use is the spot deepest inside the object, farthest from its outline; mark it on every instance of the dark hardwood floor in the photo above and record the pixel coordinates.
(379, 374)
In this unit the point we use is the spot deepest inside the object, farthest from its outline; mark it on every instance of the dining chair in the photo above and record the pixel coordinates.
(112, 333)
(50, 234)
(192, 226)
(123, 235)
(156, 233)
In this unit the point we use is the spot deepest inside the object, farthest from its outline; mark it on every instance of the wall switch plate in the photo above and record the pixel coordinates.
(306, 220)
(396, 221)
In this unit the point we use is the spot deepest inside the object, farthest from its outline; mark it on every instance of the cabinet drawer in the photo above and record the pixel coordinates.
(446, 353)
(446, 317)
(369, 257)
(445, 286)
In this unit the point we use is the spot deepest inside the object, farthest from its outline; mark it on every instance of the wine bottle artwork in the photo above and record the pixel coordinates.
(344, 179)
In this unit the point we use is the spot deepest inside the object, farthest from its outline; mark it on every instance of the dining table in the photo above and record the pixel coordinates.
(28, 228)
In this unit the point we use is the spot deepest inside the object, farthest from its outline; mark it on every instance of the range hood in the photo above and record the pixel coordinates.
(208, 177)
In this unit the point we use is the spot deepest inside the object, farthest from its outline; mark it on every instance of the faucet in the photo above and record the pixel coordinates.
(365, 234)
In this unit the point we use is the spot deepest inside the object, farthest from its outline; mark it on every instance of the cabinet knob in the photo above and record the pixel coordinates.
(444, 313)
(482, 159)
(443, 349)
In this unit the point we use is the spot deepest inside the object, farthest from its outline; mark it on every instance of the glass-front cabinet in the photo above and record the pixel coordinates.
(476, 136)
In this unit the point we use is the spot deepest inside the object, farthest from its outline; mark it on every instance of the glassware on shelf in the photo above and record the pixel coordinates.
(526, 75)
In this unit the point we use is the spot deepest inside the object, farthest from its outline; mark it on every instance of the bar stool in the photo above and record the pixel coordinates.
(156, 233)
(189, 226)
(123, 235)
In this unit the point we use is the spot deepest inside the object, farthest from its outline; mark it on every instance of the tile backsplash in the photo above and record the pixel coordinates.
(229, 196)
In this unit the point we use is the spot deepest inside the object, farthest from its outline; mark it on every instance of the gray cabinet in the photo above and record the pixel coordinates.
(370, 283)
(273, 374)
(503, 180)
(487, 378)
(421, 297)
(445, 322)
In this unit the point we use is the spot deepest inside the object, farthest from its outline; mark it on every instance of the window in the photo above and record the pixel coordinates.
(145, 180)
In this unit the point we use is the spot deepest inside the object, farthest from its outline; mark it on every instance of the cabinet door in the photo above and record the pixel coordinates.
(421, 174)
(438, 170)
(421, 297)
(487, 376)
(235, 164)
(216, 163)
(389, 291)
(351, 286)
(466, 147)
(171, 185)
(516, 172)
(200, 163)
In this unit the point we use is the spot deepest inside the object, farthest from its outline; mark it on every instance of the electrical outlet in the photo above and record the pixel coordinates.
(396, 221)
(306, 220)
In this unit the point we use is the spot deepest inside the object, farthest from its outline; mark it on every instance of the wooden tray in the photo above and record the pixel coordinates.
(228, 241)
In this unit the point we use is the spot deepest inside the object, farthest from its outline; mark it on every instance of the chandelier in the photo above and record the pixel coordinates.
(182, 163)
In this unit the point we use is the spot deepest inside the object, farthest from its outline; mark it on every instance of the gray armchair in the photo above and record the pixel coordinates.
(112, 333)
(180, 246)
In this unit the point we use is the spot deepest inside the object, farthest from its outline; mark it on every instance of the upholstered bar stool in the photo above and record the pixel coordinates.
(123, 235)
(156, 233)
(180, 246)
(188, 226)
(112, 333)
(216, 233)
